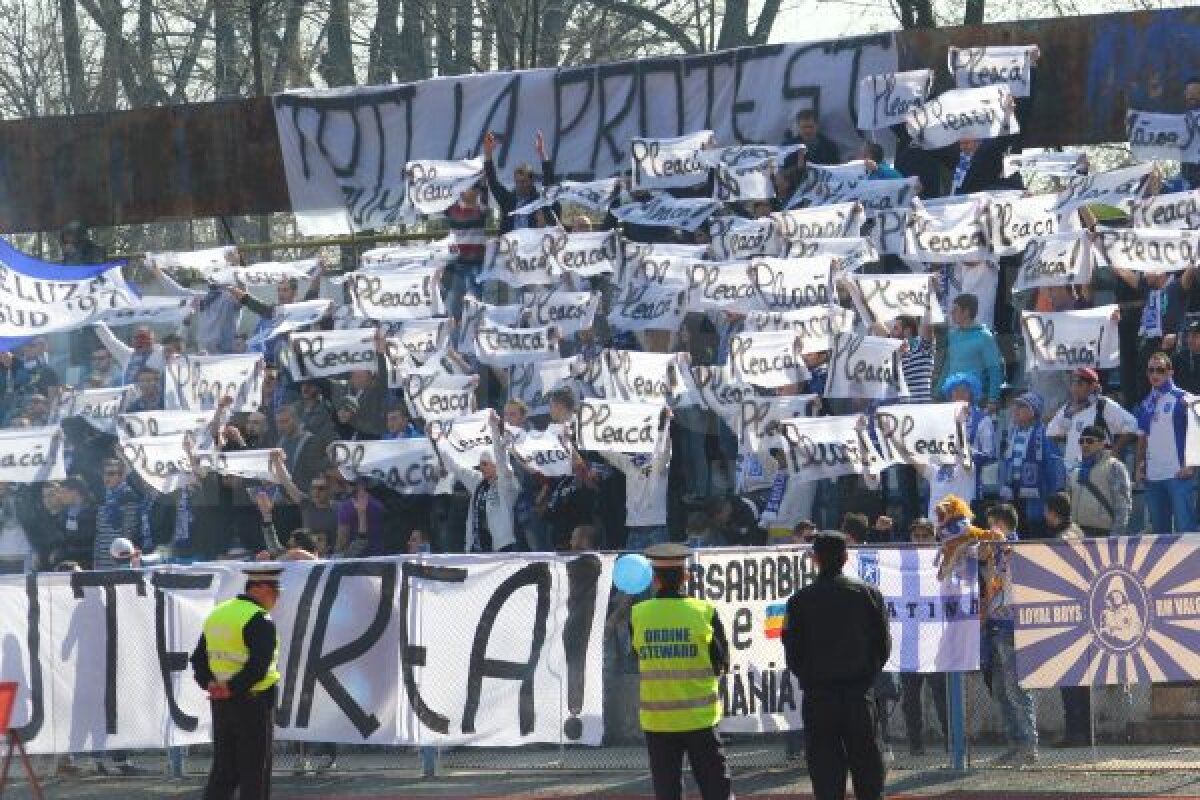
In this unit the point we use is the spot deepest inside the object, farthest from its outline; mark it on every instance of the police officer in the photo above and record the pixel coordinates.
(681, 649)
(836, 640)
(235, 661)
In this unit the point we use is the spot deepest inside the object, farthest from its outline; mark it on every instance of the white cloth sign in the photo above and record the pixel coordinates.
(199, 383)
(735, 183)
(1177, 210)
(828, 447)
(878, 195)
(522, 258)
(161, 461)
(265, 273)
(150, 310)
(975, 67)
(533, 383)
(865, 367)
(823, 184)
(949, 232)
(440, 396)
(99, 407)
(406, 466)
(767, 360)
(31, 455)
(434, 186)
(31, 306)
(1169, 137)
(931, 434)
(420, 339)
(595, 195)
(543, 452)
(395, 295)
(737, 237)
(1062, 259)
(202, 260)
(1112, 188)
(885, 100)
(289, 317)
(606, 426)
(724, 286)
(1014, 222)
(673, 163)
(814, 327)
(649, 307)
(251, 465)
(569, 312)
(849, 254)
(791, 283)
(665, 211)
(1050, 163)
(1148, 249)
(144, 424)
(760, 418)
(883, 298)
(822, 222)
(958, 114)
(501, 346)
(476, 314)
(720, 392)
(329, 353)
(1068, 340)
(888, 231)
(589, 254)
(640, 377)
(462, 440)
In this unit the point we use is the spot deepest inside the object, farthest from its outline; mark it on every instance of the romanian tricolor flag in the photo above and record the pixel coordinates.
(773, 626)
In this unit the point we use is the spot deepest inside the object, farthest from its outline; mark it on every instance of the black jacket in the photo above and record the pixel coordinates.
(836, 633)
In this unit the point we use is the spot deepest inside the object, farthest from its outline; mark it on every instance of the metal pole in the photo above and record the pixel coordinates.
(956, 711)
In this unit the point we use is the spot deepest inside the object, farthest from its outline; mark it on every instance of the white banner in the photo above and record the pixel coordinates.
(462, 440)
(1010, 65)
(932, 434)
(150, 310)
(720, 392)
(290, 317)
(725, 286)
(502, 346)
(738, 237)
(1050, 163)
(1176, 210)
(405, 466)
(533, 383)
(329, 353)
(589, 254)
(665, 211)
(735, 183)
(476, 314)
(642, 377)
(886, 100)
(760, 417)
(649, 307)
(604, 426)
(543, 452)
(440, 396)
(865, 367)
(1148, 249)
(814, 327)
(594, 195)
(824, 184)
(767, 360)
(1113, 188)
(1062, 259)
(674, 163)
(419, 339)
(823, 222)
(164, 423)
(522, 258)
(161, 461)
(1068, 340)
(791, 283)
(434, 186)
(100, 407)
(879, 195)
(31, 306)
(985, 113)
(1014, 222)
(363, 652)
(251, 465)
(202, 260)
(265, 273)
(31, 455)
(396, 295)
(828, 447)
(949, 232)
(200, 383)
(883, 298)
(569, 312)
(1169, 137)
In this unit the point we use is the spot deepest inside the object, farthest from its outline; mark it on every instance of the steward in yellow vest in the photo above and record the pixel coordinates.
(235, 660)
(681, 650)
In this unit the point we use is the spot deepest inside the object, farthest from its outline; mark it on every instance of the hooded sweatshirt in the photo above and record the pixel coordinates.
(973, 349)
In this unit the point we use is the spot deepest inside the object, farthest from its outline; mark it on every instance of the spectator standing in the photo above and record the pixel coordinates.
(118, 515)
(1098, 487)
(971, 348)
(316, 412)
(102, 370)
(1191, 100)
(467, 222)
(1162, 425)
(149, 386)
(646, 490)
(1030, 465)
(1088, 407)
(144, 354)
(836, 640)
(819, 148)
(318, 514)
(911, 683)
(1076, 700)
(1164, 313)
(360, 530)
(508, 200)
(1187, 361)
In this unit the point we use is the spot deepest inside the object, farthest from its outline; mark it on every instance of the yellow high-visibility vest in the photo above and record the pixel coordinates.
(227, 650)
(677, 688)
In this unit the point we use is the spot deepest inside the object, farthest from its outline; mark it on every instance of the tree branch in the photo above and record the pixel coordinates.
(655, 20)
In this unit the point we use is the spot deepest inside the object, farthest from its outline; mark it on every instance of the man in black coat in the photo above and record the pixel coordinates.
(836, 640)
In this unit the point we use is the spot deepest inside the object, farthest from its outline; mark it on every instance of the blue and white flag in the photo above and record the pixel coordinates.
(1103, 612)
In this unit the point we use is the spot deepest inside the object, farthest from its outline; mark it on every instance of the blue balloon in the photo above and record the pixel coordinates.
(632, 574)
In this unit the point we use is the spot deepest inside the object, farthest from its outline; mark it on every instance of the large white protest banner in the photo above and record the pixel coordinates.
(823, 184)
(394, 295)
(885, 100)
(642, 377)
(440, 396)
(1175, 210)
(865, 367)
(99, 407)
(328, 353)
(976, 67)
(342, 148)
(673, 163)
(523, 258)
(932, 434)
(420, 339)
(407, 466)
(434, 186)
(1061, 259)
(605, 426)
(724, 286)
(949, 232)
(544, 452)
(737, 237)
(1148, 249)
(460, 441)
(1014, 222)
(1114, 188)
(822, 222)
(501, 346)
(161, 461)
(1062, 340)
(201, 383)
(37, 297)
(569, 312)
(984, 113)
(760, 417)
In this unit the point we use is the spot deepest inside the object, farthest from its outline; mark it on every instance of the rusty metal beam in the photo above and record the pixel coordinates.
(214, 159)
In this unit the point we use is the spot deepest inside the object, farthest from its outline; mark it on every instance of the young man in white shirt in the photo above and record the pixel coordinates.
(1086, 407)
(646, 490)
(1162, 422)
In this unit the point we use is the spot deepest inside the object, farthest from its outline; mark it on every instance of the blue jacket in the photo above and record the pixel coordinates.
(974, 350)
(1043, 473)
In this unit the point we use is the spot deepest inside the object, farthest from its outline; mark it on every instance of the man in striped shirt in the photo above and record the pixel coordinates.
(916, 358)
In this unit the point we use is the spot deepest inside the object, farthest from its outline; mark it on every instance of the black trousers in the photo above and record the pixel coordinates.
(1077, 713)
(910, 687)
(705, 754)
(243, 729)
(841, 734)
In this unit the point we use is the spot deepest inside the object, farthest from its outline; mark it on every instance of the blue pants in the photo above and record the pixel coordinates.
(1016, 704)
(1170, 505)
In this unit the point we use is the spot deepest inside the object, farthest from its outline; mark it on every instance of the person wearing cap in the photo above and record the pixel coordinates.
(235, 661)
(1099, 488)
(1162, 426)
(1030, 463)
(957, 479)
(1187, 360)
(1087, 406)
(681, 650)
(836, 641)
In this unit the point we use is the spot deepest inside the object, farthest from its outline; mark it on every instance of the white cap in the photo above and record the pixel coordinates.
(121, 549)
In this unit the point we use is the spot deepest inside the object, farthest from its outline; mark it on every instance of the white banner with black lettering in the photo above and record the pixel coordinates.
(791, 283)
(738, 237)
(1179, 210)
(522, 258)
(251, 465)
(949, 232)
(752, 180)
(1061, 259)
(503, 347)
(265, 273)
(984, 113)
(533, 383)
(879, 195)
(767, 360)
(828, 184)
(164, 423)
(290, 317)
(1051, 163)
(828, 447)
(150, 310)
(161, 461)
(642, 377)
(99, 407)
(849, 253)
(202, 260)
(724, 286)
(1169, 137)
(329, 353)
(865, 367)
(885, 100)
(814, 327)
(434, 186)
(569, 312)
(759, 419)
(883, 298)
(394, 295)
(32, 305)
(1148, 249)
(1014, 222)
(440, 396)
(1068, 340)
(1009, 65)
(201, 383)
(1113, 188)
(589, 254)
(822, 222)
(406, 466)
(605, 426)
(420, 339)
(665, 211)
(544, 452)
(595, 195)
(31, 455)
(649, 307)
(460, 441)
(674, 163)
(932, 434)
(476, 314)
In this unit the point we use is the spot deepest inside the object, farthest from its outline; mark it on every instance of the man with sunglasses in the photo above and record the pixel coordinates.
(1162, 425)
(1088, 406)
(1099, 487)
